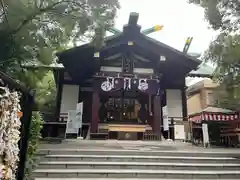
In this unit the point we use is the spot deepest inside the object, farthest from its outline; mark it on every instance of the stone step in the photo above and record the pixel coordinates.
(106, 178)
(132, 173)
(147, 152)
(138, 158)
(136, 165)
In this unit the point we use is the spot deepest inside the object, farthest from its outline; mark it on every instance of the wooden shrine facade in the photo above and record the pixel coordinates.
(126, 82)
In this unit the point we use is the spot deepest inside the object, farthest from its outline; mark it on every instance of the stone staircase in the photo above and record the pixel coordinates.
(96, 164)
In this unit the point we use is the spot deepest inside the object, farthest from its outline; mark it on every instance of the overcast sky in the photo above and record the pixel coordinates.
(179, 18)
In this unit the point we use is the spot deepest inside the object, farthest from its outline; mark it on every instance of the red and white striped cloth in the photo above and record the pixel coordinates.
(213, 117)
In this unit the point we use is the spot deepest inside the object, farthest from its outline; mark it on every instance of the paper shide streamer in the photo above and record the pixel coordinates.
(9, 133)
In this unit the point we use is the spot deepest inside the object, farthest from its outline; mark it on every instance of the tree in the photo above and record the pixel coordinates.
(224, 51)
(32, 31)
(222, 15)
(47, 94)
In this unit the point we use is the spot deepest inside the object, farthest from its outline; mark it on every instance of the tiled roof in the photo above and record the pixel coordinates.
(216, 110)
(204, 70)
(212, 109)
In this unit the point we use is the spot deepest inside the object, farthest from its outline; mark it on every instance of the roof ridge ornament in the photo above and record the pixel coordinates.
(133, 19)
(152, 29)
(145, 32)
(187, 44)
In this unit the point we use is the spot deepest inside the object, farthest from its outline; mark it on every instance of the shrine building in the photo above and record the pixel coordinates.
(124, 85)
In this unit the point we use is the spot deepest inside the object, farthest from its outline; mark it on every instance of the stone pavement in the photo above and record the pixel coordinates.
(137, 145)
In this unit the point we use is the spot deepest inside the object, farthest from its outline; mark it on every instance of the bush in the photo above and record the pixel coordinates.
(33, 144)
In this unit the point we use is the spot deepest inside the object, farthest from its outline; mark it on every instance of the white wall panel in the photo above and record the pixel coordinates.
(143, 71)
(174, 103)
(69, 98)
(111, 69)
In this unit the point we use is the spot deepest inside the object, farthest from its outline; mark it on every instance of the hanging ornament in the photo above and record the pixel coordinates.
(127, 83)
(158, 92)
(9, 133)
(108, 85)
(143, 85)
(111, 80)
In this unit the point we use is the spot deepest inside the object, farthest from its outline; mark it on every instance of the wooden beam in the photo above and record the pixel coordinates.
(184, 104)
(95, 109)
(157, 116)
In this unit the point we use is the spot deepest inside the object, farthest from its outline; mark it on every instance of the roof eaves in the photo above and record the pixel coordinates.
(174, 50)
(87, 45)
(203, 70)
(200, 75)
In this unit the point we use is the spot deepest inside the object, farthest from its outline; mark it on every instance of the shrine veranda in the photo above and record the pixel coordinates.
(124, 86)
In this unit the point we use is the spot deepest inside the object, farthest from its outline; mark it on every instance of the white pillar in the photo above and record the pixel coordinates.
(205, 135)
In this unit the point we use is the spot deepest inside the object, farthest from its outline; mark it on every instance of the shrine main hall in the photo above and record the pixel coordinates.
(126, 86)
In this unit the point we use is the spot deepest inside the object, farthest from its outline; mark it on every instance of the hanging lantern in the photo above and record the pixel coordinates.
(143, 85)
(108, 85)
(127, 83)
(111, 80)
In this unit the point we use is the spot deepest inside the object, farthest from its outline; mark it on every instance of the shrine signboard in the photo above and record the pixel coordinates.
(72, 123)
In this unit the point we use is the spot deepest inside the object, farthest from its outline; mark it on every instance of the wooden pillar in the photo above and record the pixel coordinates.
(95, 99)
(172, 129)
(60, 78)
(95, 109)
(79, 94)
(150, 119)
(157, 115)
(184, 104)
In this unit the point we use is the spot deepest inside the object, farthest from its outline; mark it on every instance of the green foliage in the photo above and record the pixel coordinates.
(35, 135)
(46, 93)
(224, 51)
(32, 31)
(222, 15)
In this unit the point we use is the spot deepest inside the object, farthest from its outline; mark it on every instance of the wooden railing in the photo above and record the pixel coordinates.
(151, 137)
